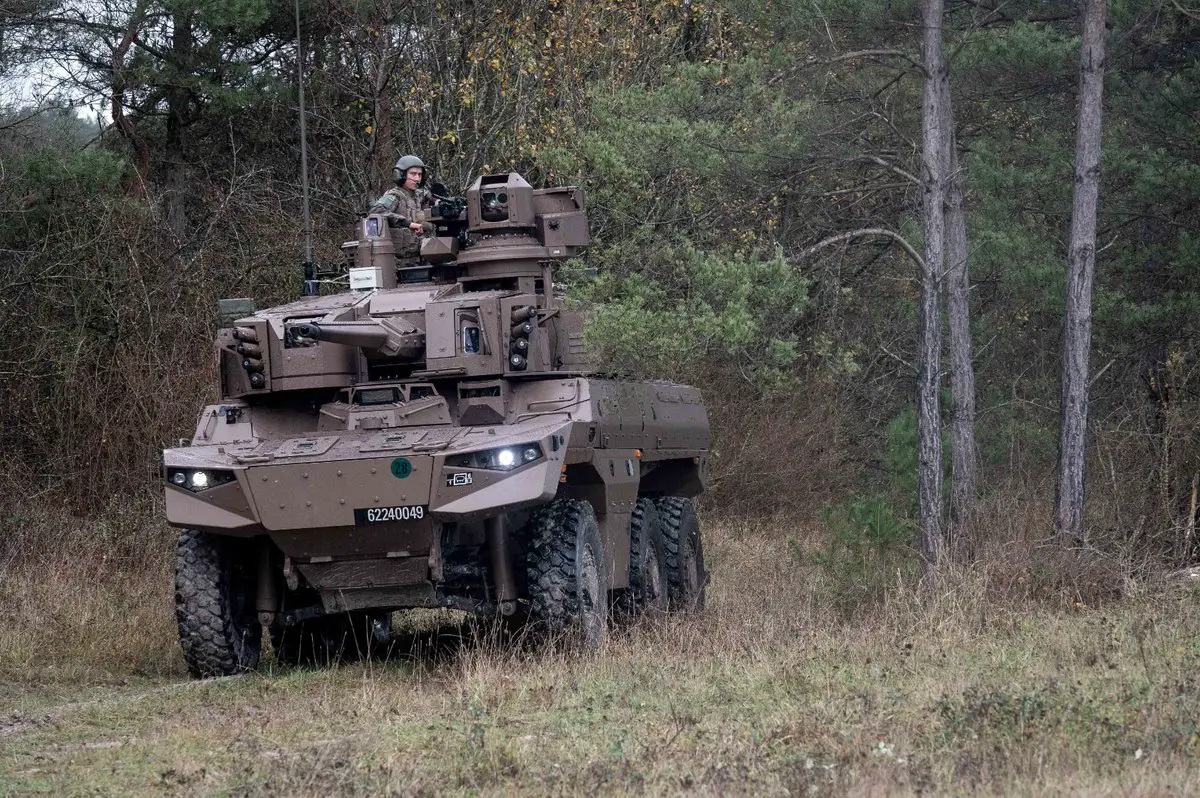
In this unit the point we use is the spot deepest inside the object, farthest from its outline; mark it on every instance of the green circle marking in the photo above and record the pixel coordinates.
(401, 468)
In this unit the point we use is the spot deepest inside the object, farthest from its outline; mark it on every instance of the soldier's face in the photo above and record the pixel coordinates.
(412, 178)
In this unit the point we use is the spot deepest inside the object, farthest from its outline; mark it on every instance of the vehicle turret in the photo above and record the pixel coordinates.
(480, 303)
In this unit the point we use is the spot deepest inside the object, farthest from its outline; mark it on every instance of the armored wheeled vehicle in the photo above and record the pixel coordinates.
(431, 437)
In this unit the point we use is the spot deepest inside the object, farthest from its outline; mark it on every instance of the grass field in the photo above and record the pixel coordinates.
(797, 680)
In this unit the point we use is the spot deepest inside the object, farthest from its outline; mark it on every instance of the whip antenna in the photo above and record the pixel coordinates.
(308, 256)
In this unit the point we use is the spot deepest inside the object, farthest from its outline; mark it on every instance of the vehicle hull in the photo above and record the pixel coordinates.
(363, 514)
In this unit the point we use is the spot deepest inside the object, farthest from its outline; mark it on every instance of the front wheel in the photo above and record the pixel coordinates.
(214, 605)
(566, 571)
(686, 574)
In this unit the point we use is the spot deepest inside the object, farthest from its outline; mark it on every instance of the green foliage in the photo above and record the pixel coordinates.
(705, 308)
(863, 528)
(871, 532)
(901, 458)
(226, 15)
(682, 157)
(868, 541)
(791, 21)
(57, 177)
(1024, 51)
(51, 184)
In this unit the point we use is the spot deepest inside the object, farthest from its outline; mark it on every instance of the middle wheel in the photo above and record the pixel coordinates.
(647, 592)
(567, 571)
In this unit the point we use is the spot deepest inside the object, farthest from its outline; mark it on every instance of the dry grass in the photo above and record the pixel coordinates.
(771, 691)
(88, 599)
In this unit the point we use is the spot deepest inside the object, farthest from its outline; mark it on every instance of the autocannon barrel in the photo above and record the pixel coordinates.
(383, 337)
(368, 336)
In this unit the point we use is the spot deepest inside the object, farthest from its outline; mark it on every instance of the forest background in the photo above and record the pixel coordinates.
(719, 142)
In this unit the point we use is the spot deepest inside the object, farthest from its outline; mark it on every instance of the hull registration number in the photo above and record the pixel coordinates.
(383, 515)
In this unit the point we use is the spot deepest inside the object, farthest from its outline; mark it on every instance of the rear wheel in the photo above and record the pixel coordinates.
(214, 605)
(686, 575)
(566, 571)
(330, 639)
(647, 593)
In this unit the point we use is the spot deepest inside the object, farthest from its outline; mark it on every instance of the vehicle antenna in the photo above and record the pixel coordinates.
(303, 146)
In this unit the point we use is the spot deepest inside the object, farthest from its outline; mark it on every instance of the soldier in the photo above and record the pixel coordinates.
(405, 204)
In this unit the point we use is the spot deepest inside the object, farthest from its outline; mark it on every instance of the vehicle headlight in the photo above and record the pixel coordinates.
(198, 479)
(503, 459)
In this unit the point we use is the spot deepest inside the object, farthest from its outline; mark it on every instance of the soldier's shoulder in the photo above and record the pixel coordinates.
(388, 200)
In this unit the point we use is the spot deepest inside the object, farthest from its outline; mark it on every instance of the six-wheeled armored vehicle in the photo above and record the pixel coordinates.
(431, 437)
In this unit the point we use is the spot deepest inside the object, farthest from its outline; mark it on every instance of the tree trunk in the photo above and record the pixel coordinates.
(1081, 264)
(175, 154)
(963, 454)
(121, 121)
(929, 344)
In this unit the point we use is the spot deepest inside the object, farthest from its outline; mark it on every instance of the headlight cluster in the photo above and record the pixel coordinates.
(198, 479)
(504, 459)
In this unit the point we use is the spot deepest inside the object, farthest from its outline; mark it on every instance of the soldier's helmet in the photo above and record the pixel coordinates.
(405, 163)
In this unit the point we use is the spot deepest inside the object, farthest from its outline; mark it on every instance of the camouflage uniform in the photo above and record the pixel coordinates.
(401, 203)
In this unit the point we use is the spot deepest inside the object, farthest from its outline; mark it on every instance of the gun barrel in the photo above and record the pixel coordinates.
(367, 335)
(383, 338)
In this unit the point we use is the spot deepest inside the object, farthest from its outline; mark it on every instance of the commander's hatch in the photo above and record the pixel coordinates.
(387, 406)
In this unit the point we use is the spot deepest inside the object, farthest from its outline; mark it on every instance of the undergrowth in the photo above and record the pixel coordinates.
(997, 680)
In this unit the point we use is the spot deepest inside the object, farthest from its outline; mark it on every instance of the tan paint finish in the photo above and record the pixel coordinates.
(620, 471)
(213, 424)
(444, 321)
(185, 508)
(524, 487)
(307, 495)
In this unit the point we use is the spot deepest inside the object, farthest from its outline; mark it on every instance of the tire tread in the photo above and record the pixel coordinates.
(213, 641)
(677, 516)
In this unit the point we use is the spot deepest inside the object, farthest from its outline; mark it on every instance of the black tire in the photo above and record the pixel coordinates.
(214, 605)
(686, 575)
(567, 573)
(330, 639)
(648, 592)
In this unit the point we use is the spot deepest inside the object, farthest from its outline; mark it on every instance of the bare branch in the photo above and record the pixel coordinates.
(28, 117)
(854, 55)
(875, 159)
(1187, 12)
(865, 232)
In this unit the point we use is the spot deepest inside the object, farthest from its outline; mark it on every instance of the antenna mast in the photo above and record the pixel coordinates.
(308, 256)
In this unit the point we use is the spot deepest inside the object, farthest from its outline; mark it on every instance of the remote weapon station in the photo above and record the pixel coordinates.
(430, 437)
